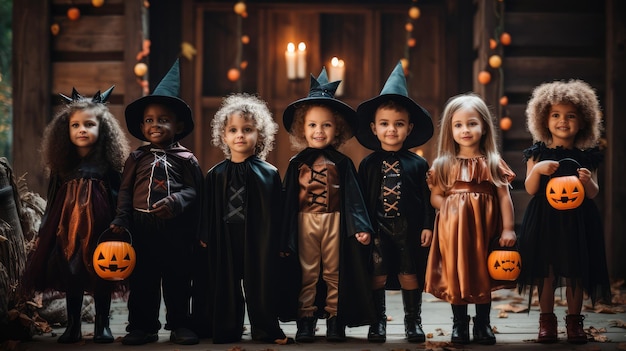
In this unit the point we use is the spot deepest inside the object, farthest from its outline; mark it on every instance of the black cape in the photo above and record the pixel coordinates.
(217, 301)
(415, 201)
(355, 307)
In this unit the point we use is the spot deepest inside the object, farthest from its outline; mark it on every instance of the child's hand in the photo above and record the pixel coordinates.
(547, 167)
(363, 238)
(427, 237)
(584, 175)
(117, 229)
(162, 208)
(507, 238)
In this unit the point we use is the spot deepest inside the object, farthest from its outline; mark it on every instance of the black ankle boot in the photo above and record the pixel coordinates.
(460, 325)
(102, 333)
(482, 332)
(412, 300)
(72, 333)
(306, 329)
(335, 330)
(378, 329)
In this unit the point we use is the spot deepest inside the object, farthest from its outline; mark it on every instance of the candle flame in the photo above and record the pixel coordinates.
(291, 47)
(336, 62)
(301, 46)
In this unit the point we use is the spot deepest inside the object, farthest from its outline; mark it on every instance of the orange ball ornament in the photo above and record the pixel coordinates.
(55, 28)
(73, 13)
(245, 39)
(243, 65)
(97, 3)
(495, 61)
(140, 69)
(504, 100)
(414, 12)
(506, 123)
(239, 7)
(411, 42)
(408, 27)
(233, 74)
(484, 77)
(493, 44)
(505, 38)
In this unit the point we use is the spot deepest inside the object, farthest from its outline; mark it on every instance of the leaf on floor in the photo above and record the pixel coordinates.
(617, 323)
(509, 307)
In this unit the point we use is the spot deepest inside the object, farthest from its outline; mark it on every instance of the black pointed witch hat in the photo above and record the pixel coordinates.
(166, 93)
(394, 89)
(322, 92)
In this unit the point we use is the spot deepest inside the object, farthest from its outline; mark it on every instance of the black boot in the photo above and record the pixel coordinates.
(412, 300)
(460, 325)
(378, 329)
(306, 329)
(335, 330)
(72, 333)
(102, 333)
(482, 329)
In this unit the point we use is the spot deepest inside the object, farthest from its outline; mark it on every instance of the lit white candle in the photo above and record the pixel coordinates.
(337, 71)
(290, 58)
(301, 61)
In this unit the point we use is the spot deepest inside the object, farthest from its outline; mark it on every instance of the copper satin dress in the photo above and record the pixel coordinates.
(467, 221)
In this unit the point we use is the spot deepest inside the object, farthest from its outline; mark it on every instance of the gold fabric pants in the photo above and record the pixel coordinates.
(318, 244)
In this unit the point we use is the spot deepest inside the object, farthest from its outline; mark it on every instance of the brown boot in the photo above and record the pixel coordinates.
(575, 332)
(547, 328)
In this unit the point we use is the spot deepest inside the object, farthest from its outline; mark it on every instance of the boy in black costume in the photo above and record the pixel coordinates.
(159, 203)
(393, 181)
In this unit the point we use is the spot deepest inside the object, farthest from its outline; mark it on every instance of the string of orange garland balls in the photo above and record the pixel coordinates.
(414, 14)
(499, 39)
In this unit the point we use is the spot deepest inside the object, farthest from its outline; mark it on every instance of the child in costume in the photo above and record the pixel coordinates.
(563, 247)
(240, 227)
(159, 203)
(325, 218)
(393, 179)
(469, 185)
(84, 149)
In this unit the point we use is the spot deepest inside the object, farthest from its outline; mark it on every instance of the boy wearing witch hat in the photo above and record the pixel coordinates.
(393, 182)
(326, 224)
(159, 203)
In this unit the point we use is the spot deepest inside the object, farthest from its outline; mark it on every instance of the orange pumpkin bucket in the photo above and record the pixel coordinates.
(114, 259)
(564, 190)
(504, 263)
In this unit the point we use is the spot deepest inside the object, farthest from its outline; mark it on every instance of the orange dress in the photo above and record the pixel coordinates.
(466, 223)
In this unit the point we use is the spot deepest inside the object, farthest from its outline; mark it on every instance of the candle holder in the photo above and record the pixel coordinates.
(296, 87)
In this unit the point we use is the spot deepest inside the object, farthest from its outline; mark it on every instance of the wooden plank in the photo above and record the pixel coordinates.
(88, 77)
(84, 2)
(536, 29)
(90, 34)
(31, 79)
(523, 74)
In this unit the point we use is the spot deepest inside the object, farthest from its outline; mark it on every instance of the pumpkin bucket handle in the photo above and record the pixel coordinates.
(108, 233)
(567, 166)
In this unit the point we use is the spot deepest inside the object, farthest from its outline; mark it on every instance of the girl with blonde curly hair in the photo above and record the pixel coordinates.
(240, 228)
(84, 149)
(563, 247)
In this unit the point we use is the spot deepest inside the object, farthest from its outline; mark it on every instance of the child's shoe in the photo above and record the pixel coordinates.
(139, 337)
(306, 329)
(482, 332)
(335, 330)
(575, 331)
(547, 328)
(183, 336)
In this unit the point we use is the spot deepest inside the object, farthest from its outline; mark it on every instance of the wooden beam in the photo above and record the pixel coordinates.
(31, 88)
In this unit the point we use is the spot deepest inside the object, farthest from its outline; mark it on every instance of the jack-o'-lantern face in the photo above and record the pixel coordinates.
(504, 264)
(114, 260)
(565, 191)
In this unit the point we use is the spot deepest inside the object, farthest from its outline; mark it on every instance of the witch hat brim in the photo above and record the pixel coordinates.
(322, 92)
(394, 90)
(166, 93)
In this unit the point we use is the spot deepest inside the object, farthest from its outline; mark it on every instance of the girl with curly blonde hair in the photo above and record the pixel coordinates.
(563, 247)
(84, 149)
(240, 227)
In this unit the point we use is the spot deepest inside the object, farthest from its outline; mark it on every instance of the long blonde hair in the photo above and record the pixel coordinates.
(447, 148)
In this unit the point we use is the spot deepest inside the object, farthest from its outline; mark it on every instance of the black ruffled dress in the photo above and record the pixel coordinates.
(570, 241)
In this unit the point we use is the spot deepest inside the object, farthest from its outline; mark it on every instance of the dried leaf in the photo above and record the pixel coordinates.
(441, 332)
(511, 308)
(503, 314)
(617, 323)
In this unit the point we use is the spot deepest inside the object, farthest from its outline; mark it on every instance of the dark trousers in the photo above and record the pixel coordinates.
(164, 256)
